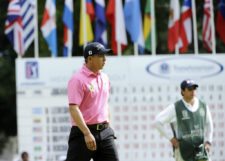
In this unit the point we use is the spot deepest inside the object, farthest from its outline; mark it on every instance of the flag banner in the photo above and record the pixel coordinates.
(121, 36)
(220, 20)
(207, 27)
(100, 23)
(133, 22)
(115, 16)
(90, 9)
(68, 28)
(89, 16)
(147, 26)
(173, 31)
(19, 25)
(48, 26)
(185, 35)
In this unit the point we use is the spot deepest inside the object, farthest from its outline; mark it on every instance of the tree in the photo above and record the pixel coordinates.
(7, 98)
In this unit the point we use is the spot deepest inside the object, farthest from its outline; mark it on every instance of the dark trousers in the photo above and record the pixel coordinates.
(106, 149)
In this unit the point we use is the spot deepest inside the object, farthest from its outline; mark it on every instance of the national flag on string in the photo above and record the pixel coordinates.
(147, 26)
(68, 28)
(133, 21)
(115, 17)
(185, 35)
(207, 27)
(48, 26)
(100, 23)
(173, 31)
(89, 16)
(19, 25)
(220, 20)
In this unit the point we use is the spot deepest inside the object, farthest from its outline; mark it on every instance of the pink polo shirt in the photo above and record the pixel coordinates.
(90, 92)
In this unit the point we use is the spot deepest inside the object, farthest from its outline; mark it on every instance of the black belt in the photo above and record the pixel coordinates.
(98, 127)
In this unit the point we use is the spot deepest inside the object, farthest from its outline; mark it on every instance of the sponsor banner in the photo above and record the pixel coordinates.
(55, 72)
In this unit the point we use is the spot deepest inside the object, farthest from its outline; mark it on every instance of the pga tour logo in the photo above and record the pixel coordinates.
(32, 70)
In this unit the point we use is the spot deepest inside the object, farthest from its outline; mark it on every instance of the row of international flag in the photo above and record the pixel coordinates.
(180, 25)
(20, 24)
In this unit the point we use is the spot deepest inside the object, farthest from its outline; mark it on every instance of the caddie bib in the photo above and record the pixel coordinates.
(190, 129)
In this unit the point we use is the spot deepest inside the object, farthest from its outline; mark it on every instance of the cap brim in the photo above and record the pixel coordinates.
(192, 85)
(106, 51)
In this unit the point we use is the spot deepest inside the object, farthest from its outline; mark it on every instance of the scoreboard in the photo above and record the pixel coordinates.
(141, 87)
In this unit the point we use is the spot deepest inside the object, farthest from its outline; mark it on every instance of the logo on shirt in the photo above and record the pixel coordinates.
(91, 87)
(185, 115)
(196, 126)
(202, 112)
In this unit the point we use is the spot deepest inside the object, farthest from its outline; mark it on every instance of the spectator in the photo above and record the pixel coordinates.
(24, 156)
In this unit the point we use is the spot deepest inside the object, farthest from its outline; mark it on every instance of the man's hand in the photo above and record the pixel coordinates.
(175, 142)
(90, 141)
(207, 146)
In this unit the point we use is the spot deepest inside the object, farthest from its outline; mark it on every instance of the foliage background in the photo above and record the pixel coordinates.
(7, 55)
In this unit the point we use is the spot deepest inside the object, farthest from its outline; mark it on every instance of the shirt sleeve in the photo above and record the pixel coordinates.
(163, 120)
(75, 91)
(209, 126)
